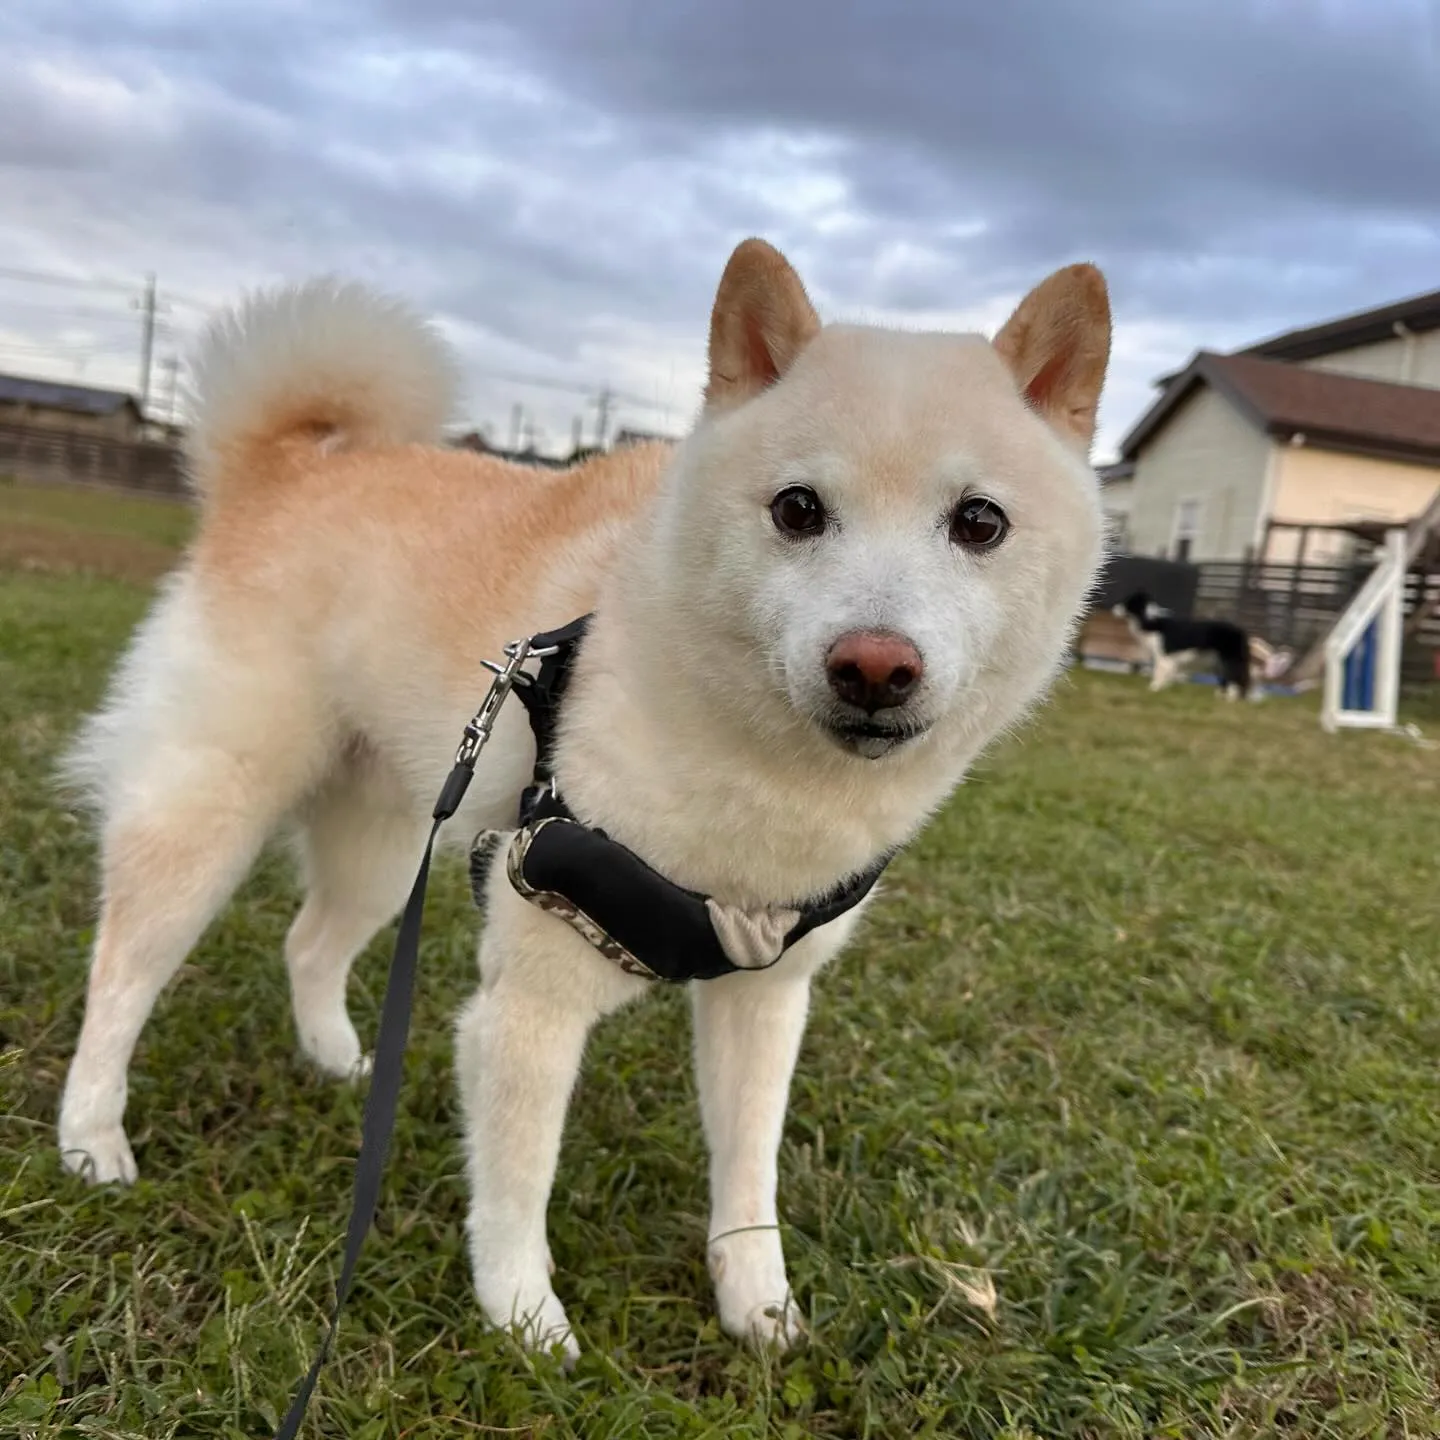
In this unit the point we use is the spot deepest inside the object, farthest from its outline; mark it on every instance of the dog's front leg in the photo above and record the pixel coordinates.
(748, 1029)
(519, 1045)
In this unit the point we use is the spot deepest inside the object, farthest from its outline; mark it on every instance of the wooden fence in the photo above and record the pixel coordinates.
(47, 456)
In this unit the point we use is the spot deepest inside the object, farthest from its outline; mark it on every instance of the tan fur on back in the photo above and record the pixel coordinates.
(478, 535)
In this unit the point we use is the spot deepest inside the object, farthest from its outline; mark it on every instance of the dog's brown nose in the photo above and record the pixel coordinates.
(873, 669)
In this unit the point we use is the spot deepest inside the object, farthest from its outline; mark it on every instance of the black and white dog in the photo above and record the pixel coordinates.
(1175, 642)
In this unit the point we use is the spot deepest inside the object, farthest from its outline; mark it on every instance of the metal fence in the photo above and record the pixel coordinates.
(1297, 605)
(1291, 605)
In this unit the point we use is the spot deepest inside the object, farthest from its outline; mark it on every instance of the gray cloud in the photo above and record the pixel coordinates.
(561, 181)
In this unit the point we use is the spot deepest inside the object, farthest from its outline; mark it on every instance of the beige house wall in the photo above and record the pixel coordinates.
(1403, 360)
(1116, 498)
(1206, 452)
(1328, 487)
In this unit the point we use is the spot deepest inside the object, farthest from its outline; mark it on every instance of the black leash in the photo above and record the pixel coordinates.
(383, 1096)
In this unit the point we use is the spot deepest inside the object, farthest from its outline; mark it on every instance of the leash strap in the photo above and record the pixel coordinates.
(380, 1101)
(383, 1096)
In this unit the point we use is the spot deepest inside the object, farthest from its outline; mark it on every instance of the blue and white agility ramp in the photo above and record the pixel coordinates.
(1362, 653)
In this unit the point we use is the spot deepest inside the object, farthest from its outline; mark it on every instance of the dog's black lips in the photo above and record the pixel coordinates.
(870, 729)
(847, 731)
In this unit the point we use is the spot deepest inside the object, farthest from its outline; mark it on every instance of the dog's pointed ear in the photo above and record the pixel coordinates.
(761, 322)
(1057, 345)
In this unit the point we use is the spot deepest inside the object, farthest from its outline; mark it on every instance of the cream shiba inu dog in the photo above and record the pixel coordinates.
(809, 618)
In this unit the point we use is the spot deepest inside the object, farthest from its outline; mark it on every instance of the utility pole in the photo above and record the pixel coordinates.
(147, 339)
(517, 416)
(602, 418)
(171, 364)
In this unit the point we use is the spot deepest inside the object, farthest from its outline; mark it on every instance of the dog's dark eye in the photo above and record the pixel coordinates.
(798, 511)
(978, 524)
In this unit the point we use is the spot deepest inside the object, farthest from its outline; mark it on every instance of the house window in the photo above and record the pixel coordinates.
(1186, 529)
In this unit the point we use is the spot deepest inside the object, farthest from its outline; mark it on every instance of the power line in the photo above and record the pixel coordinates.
(60, 310)
(148, 306)
(81, 282)
(25, 347)
(568, 387)
(155, 326)
(78, 282)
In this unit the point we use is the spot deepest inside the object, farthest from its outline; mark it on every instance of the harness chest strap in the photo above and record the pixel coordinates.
(626, 909)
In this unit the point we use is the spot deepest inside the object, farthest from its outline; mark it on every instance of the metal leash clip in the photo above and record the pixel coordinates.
(507, 676)
(478, 727)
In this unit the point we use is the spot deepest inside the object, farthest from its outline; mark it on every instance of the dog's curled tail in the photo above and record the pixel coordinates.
(327, 363)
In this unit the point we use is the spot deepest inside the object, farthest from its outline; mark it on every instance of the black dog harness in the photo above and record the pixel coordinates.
(626, 909)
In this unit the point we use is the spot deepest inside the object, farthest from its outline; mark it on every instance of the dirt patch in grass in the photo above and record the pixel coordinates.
(51, 549)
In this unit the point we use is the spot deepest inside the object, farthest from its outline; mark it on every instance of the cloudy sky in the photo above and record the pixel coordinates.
(559, 182)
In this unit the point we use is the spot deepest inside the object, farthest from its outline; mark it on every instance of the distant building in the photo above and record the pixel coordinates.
(629, 436)
(1295, 448)
(479, 441)
(52, 432)
(72, 409)
(1117, 493)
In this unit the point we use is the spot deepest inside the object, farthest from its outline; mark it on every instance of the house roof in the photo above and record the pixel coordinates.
(1334, 411)
(80, 399)
(1419, 313)
(1365, 327)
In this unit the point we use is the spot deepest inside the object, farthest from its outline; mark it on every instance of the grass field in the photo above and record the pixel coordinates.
(88, 531)
(1121, 1120)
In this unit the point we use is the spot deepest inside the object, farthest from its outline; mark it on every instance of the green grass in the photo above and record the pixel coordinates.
(157, 520)
(1144, 1034)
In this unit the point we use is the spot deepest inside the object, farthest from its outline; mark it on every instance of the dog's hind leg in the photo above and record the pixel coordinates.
(748, 1029)
(172, 853)
(360, 844)
(1235, 675)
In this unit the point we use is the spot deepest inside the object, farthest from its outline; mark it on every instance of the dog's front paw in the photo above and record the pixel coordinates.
(768, 1326)
(543, 1326)
(752, 1291)
(100, 1156)
(333, 1047)
(534, 1316)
